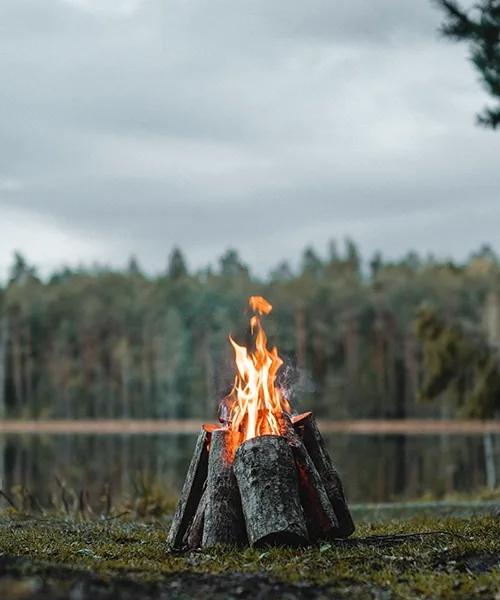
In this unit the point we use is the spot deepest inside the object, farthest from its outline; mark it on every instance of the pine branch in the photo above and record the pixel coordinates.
(458, 26)
(489, 118)
(483, 35)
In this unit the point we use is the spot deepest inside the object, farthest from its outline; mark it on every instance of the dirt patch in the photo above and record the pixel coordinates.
(471, 564)
(479, 563)
(28, 580)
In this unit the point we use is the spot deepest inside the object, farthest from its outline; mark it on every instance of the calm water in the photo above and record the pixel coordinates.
(374, 468)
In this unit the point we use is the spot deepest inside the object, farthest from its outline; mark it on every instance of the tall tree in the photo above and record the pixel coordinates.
(479, 27)
(283, 272)
(376, 264)
(311, 262)
(20, 270)
(230, 264)
(133, 267)
(353, 257)
(177, 265)
(458, 360)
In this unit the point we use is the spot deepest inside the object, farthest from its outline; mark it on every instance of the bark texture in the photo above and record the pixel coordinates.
(307, 429)
(192, 489)
(224, 521)
(267, 479)
(320, 517)
(194, 533)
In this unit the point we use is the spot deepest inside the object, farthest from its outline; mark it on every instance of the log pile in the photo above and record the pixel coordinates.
(268, 490)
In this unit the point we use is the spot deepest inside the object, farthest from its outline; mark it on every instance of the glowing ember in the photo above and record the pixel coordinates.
(255, 405)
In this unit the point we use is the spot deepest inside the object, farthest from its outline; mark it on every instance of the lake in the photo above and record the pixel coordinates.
(374, 468)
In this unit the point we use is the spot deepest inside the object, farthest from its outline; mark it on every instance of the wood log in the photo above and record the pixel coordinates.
(320, 517)
(224, 521)
(306, 427)
(192, 489)
(265, 471)
(194, 533)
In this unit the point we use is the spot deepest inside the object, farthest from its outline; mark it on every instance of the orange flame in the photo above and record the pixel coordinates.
(255, 405)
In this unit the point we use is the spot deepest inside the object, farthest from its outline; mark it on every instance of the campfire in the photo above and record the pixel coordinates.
(261, 476)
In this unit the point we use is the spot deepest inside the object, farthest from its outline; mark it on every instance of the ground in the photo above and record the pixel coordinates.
(73, 557)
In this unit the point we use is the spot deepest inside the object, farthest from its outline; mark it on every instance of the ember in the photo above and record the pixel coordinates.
(262, 477)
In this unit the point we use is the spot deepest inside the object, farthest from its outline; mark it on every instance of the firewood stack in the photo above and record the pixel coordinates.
(262, 477)
(268, 490)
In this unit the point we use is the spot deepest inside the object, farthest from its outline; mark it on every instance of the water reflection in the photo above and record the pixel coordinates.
(374, 468)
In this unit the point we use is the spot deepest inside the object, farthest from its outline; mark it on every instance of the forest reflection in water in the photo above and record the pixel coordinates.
(374, 468)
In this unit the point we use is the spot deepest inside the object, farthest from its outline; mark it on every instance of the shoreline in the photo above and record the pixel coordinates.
(360, 427)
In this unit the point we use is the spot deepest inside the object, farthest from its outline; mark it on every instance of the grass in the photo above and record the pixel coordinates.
(117, 548)
(462, 560)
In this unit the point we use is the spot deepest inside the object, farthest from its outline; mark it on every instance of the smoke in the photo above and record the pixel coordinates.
(294, 383)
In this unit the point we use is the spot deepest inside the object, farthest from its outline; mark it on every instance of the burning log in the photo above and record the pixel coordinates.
(307, 429)
(224, 522)
(259, 478)
(273, 490)
(265, 471)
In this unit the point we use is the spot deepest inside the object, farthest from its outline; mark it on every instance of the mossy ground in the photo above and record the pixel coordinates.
(50, 556)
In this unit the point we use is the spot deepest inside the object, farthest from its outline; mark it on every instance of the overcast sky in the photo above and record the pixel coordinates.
(131, 126)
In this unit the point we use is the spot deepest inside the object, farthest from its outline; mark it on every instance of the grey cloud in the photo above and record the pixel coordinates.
(251, 124)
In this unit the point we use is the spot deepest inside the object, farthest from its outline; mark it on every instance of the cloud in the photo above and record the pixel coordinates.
(261, 125)
(110, 8)
(43, 242)
(9, 186)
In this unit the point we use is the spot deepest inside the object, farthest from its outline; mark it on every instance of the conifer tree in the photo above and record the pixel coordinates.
(480, 28)
(177, 265)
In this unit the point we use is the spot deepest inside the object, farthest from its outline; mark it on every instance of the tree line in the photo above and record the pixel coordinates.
(107, 343)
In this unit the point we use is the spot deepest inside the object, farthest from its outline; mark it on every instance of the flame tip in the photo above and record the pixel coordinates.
(255, 405)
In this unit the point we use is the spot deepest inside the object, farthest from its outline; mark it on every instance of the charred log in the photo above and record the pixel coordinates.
(307, 429)
(267, 479)
(194, 533)
(192, 489)
(320, 517)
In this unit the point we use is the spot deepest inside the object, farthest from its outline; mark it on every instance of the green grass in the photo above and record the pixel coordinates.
(461, 562)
